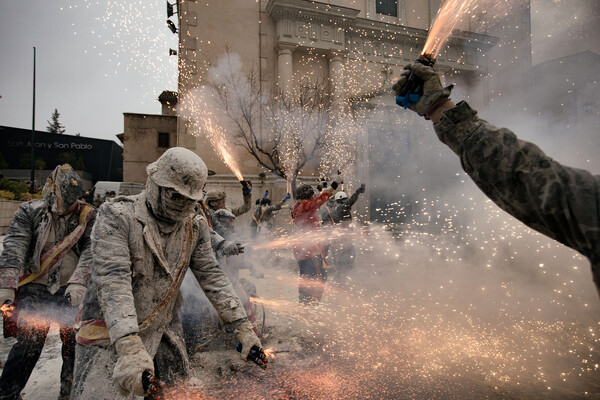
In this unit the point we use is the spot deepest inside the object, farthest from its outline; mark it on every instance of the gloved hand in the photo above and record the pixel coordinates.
(246, 187)
(265, 195)
(7, 296)
(433, 92)
(334, 185)
(232, 249)
(133, 361)
(286, 197)
(361, 189)
(247, 337)
(75, 292)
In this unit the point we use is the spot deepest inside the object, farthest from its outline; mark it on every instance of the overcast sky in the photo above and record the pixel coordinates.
(97, 60)
(94, 62)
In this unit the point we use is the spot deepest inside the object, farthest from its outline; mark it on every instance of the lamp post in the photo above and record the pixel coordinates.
(32, 187)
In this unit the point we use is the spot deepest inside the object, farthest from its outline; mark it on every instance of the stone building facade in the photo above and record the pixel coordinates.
(357, 46)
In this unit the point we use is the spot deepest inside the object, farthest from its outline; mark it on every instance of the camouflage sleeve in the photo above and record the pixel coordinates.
(558, 201)
(82, 273)
(16, 247)
(215, 284)
(244, 208)
(274, 207)
(112, 273)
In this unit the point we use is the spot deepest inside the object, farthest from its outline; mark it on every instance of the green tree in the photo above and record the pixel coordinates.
(25, 162)
(53, 125)
(71, 159)
(3, 163)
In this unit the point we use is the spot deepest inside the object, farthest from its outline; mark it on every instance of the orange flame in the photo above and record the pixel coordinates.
(269, 353)
(448, 16)
(7, 309)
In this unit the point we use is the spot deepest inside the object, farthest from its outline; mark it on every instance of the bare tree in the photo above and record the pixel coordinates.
(282, 132)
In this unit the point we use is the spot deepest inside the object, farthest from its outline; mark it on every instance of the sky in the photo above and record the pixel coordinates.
(96, 60)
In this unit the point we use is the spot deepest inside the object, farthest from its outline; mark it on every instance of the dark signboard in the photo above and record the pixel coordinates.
(103, 159)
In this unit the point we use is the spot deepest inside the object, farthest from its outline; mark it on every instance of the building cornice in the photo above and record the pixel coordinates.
(311, 11)
(327, 27)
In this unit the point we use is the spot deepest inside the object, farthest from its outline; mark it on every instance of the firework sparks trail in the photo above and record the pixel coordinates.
(133, 40)
(220, 144)
(448, 16)
(194, 107)
(453, 12)
(306, 239)
(35, 321)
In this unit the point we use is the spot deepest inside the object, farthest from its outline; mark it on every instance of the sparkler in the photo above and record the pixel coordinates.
(288, 185)
(449, 15)
(220, 144)
(194, 106)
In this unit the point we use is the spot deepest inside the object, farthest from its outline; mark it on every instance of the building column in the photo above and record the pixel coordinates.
(336, 78)
(284, 67)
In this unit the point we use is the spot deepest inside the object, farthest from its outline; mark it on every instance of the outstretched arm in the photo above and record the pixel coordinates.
(558, 201)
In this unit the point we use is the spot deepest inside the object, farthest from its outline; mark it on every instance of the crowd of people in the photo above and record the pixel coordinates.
(113, 274)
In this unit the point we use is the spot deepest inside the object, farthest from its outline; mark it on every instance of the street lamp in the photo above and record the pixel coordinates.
(170, 10)
(171, 26)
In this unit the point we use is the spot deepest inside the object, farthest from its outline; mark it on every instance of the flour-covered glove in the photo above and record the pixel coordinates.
(7, 296)
(75, 293)
(433, 92)
(232, 249)
(133, 361)
(247, 338)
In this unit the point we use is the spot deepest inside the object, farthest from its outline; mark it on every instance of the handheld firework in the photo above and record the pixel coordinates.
(257, 355)
(413, 88)
(150, 383)
(246, 185)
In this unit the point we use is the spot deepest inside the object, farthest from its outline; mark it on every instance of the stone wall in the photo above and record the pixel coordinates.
(7, 211)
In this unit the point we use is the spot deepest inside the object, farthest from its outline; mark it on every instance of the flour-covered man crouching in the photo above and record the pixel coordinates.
(142, 246)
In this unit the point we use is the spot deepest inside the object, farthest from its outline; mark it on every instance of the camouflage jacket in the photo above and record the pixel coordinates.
(245, 207)
(341, 210)
(558, 201)
(25, 241)
(138, 271)
(264, 216)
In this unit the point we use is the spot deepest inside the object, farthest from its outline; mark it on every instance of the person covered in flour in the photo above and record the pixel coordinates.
(46, 264)
(142, 247)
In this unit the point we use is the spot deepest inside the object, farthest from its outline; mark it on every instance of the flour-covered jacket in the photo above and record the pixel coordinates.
(25, 240)
(558, 201)
(135, 281)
